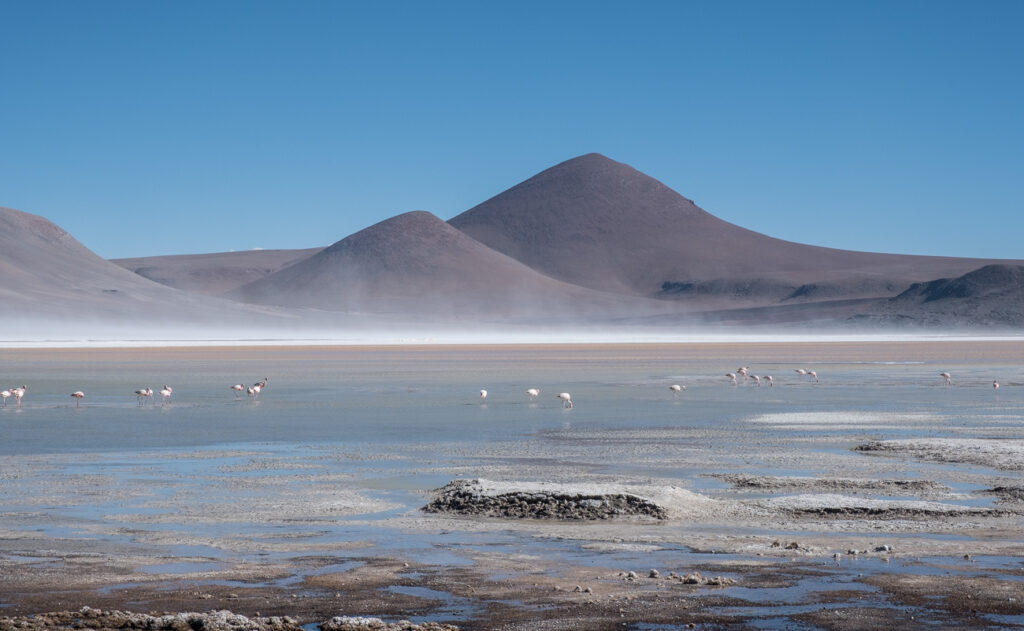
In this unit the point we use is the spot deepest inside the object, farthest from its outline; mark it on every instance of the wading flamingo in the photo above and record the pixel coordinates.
(78, 394)
(533, 392)
(995, 385)
(4, 394)
(483, 396)
(811, 373)
(947, 377)
(18, 393)
(676, 389)
(237, 388)
(142, 393)
(566, 399)
(757, 380)
(732, 377)
(165, 392)
(771, 382)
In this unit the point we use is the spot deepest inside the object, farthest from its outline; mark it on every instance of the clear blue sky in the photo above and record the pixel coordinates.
(164, 127)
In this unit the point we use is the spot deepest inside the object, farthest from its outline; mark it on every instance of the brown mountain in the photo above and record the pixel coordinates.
(417, 264)
(213, 274)
(601, 224)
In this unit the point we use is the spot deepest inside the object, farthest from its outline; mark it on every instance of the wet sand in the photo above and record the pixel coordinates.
(819, 510)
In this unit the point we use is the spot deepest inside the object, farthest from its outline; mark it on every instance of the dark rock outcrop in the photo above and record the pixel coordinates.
(468, 497)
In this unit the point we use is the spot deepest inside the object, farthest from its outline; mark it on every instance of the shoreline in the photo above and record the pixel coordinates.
(567, 340)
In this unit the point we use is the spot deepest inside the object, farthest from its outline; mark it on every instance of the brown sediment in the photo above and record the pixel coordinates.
(530, 595)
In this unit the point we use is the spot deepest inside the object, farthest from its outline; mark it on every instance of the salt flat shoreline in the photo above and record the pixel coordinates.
(866, 350)
(569, 337)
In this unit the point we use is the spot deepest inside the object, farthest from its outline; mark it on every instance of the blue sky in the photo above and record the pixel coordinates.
(157, 127)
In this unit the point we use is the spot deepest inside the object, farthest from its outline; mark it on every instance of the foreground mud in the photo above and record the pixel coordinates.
(222, 620)
(772, 592)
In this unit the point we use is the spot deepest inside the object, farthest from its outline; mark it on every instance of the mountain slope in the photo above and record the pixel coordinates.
(213, 274)
(46, 274)
(990, 296)
(416, 263)
(603, 225)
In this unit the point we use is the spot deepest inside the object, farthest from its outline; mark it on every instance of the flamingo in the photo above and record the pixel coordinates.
(742, 372)
(800, 371)
(252, 391)
(533, 392)
(4, 394)
(732, 377)
(995, 385)
(947, 377)
(237, 388)
(676, 389)
(262, 384)
(483, 396)
(757, 380)
(18, 393)
(141, 393)
(566, 399)
(811, 373)
(165, 392)
(78, 394)
(771, 382)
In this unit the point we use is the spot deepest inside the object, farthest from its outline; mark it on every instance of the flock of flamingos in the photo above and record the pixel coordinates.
(742, 373)
(142, 394)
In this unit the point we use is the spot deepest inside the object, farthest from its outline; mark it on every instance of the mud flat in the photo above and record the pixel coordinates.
(795, 483)
(845, 506)
(1005, 454)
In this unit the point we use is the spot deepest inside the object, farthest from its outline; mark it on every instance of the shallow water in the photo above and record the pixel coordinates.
(345, 441)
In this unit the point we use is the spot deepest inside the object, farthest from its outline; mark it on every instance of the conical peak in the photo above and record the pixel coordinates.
(403, 226)
(595, 171)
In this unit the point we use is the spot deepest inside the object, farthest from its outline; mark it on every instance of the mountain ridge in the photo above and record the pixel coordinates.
(604, 225)
(416, 262)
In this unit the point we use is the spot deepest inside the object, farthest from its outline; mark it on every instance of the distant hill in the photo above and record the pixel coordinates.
(589, 240)
(601, 224)
(991, 296)
(45, 274)
(417, 264)
(213, 274)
